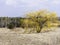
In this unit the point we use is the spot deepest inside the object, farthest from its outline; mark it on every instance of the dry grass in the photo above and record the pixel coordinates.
(8, 37)
(25, 31)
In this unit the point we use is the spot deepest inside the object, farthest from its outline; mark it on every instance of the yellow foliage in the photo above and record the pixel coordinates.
(41, 19)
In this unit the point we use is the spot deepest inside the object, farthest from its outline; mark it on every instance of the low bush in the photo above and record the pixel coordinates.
(10, 26)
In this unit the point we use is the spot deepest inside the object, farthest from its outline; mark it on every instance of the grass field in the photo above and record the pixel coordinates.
(9, 37)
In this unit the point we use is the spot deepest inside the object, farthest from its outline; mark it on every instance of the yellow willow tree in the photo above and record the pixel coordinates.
(42, 18)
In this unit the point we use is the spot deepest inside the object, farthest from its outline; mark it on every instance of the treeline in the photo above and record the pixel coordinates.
(5, 21)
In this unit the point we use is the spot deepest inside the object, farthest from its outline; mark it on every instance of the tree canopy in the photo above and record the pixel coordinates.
(41, 19)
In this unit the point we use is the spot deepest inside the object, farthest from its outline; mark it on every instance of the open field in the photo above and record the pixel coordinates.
(8, 37)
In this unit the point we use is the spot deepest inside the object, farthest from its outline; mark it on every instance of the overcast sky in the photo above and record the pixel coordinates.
(13, 8)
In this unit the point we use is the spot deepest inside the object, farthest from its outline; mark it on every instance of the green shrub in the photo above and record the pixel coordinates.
(10, 26)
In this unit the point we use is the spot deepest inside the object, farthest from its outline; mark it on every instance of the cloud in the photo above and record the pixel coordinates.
(32, 3)
(11, 2)
(56, 2)
(22, 3)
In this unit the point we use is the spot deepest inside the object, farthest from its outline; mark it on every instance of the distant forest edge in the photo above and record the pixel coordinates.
(4, 21)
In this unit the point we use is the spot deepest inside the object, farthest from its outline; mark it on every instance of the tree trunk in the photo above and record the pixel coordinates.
(39, 29)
